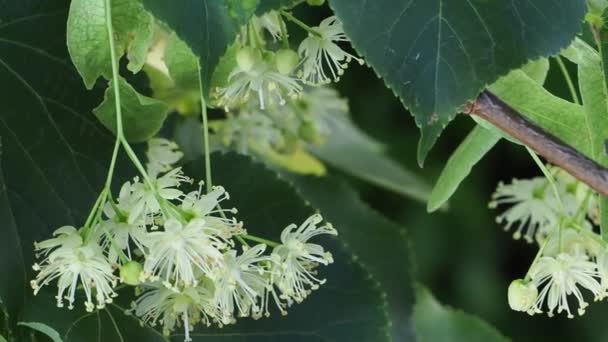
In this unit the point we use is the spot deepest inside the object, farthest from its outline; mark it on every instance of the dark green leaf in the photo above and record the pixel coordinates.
(379, 244)
(12, 292)
(55, 153)
(460, 164)
(207, 26)
(43, 328)
(435, 323)
(142, 116)
(371, 162)
(349, 307)
(87, 36)
(110, 324)
(436, 55)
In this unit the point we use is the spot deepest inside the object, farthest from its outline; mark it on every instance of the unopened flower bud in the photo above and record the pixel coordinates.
(130, 273)
(522, 295)
(247, 57)
(286, 61)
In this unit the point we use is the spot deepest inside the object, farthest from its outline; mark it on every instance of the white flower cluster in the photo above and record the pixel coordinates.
(276, 76)
(535, 211)
(281, 129)
(180, 248)
(572, 261)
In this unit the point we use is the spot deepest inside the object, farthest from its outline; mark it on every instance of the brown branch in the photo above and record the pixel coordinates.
(492, 109)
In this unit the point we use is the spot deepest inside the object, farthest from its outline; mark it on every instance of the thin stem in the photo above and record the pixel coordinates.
(298, 22)
(88, 223)
(117, 103)
(114, 63)
(555, 192)
(569, 81)
(549, 177)
(260, 240)
(241, 240)
(536, 257)
(284, 35)
(205, 147)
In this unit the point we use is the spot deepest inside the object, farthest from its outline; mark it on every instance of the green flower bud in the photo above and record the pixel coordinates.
(286, 61)
(522, 295)
(315, 2)
(130, 272)
(247, 57)
(308, 132)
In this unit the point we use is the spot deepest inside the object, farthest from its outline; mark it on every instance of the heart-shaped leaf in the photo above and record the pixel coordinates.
(438, 54)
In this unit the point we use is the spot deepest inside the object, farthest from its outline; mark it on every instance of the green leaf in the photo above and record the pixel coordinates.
(181, 63)
(269, 5)
(437, 55)
(435, 323)
(379, 244)
(479, 142)
(207, 26)
(12, 292)
(349, 307)
(173, 72)
(594, 92)
(87, 36)
(142, 116)
(371, 163)
(562, 118)
(43, 328)
(2, 339)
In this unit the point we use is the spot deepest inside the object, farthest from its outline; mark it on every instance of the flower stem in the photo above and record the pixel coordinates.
(568, 79)
(260, 240)
(551, 180)
(117, 103)
(284, 35)
(538, 255)
(298, 22)
(205, 147)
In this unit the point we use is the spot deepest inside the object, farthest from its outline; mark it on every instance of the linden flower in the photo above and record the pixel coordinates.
(176, 253)
(162, 154)
(117, 237)
(560, 277)
(69, 260)
(146, 200)
(174, 308)
(263, 79)
(322, 51)
(239, 283)
(207, 207)
(533, 205)
(298, 258)
(272, 23)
